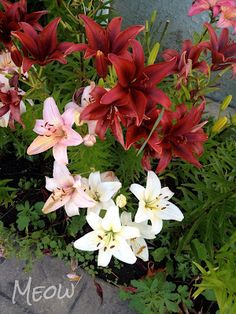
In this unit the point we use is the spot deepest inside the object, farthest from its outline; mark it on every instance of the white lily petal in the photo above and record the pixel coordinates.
(62, 175)
(95, 209)
(166, 193)
(71, 209)
(124, 252)
(153, 187)
(138, 190)
(157, 224)
(88, 242)
(104, 257)
(146, 230)
(107, 205)
(94, 221)
(140, 249)
(142, 214)
(126, 218)
(107, 189)
(111, 221)
(171, 212)
(94, 180)
(51, 184)
(129, 232)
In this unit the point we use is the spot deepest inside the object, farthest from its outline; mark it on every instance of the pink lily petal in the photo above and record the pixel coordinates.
(38, 128)
(62, 175)
(51, 184)
(82, 199)
(71, 209)
(41, 144)
(69, 117)
(53, 204)
(72, 138)
(60, 154)
(51, 112)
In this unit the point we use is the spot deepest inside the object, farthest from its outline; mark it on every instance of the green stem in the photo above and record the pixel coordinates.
(153, 129)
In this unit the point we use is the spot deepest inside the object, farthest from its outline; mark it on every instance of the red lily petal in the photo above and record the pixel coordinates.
(213, 36)
(134, 134)
(89, 53)
(4, 110)
(115, 94)
(6, 4)
(33, 18)
(121, 41)
(101, 128)
(113, 28)
(164, 160)
(67, 47)
(117, 130)
(138, 56)
(96, 34)
(48, 37)
(125, 69)
(184, 153)
(94, 112)
(27, 42)
(158, 96)
(157, 72)
(223, 39)
(27, 63)
(138, 102)
(29, 30)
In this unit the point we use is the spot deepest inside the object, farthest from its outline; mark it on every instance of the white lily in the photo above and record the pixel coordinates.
(101, 188)
(138, 244)
(154, 203)
(109, 237)
(67, 191)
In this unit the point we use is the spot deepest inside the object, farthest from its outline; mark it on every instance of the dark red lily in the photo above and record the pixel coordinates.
(136, 83)
(42, 47)
(107, 115)
(181, 136)
(11, 102)
(102, 41)
(223, 49)
(12, 15)
(187, 60)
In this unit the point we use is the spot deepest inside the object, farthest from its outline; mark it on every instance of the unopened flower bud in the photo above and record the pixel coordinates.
(233, 119)
(121, 201)
(89, 140)
(226, 102)
(219, 125)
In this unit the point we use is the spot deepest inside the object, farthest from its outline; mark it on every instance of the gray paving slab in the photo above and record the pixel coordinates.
(46, 290)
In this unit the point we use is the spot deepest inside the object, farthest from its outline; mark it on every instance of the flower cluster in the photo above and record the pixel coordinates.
(113, 235)
(225, 10)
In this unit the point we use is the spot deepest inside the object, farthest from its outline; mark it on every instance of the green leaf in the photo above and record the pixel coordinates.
(159, 254)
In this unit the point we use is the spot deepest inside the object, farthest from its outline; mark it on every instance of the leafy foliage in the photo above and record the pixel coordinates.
(156, 295)
(220, 277)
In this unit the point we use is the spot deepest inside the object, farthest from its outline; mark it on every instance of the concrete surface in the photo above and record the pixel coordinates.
(181, 27)
(41, 291)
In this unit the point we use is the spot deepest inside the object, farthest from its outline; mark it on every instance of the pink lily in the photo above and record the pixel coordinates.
(66, 191)
(227, 18)
(200, 6)
(55, 130)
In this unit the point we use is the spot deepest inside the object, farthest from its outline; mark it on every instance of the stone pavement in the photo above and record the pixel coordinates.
(47, 290)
